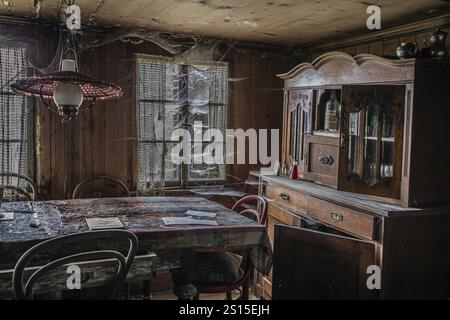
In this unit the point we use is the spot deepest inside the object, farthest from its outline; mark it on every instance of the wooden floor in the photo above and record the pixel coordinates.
(168, 295)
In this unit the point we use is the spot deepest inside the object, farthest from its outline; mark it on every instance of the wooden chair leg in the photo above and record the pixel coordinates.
(229, 295)
(147, 290)
(246, 290)
(128, 290)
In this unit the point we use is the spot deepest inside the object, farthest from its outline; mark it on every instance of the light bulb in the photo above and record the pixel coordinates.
(68, 95)
(68, 99)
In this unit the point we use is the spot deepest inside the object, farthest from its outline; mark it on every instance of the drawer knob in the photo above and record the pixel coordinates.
(337, 216)
(326, 159)
(284, 196)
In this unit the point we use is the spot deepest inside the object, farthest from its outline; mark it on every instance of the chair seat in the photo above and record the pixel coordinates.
(208, 287)
(217, 268)
(223, 272)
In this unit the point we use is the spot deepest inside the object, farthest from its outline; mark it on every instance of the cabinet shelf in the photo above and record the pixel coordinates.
(386, 139)
(326, 134)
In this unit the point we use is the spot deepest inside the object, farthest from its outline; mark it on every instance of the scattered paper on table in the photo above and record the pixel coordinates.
(177, 221)
(6, 216)
(104, 223)
(202, 214)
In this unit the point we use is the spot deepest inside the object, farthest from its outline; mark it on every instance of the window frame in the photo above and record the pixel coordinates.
(183, 169)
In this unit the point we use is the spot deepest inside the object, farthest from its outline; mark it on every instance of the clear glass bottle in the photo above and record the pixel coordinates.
(331, 113)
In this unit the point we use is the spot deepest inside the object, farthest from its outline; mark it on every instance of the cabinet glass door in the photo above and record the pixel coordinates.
(299, 121)
(372, 139)
(327, 112)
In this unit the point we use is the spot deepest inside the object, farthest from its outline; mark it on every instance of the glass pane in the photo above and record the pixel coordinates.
(171, 170)
(370, 151)
(299, 134)
(307, 130)
(157, 121)
(387, 149)
(200, 119)
(12, 159)
(388, 125)
(156, 163)
(172, 90)
(172, 119)
(354, 148)
(307, 121)
(328, 112)
(372, 122)
(370, 163)
(199, 123)
(387, 161)
(203, 171)
(292, 134)
(199, 86)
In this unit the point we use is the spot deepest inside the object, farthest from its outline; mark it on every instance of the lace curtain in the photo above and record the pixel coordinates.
(13, 115)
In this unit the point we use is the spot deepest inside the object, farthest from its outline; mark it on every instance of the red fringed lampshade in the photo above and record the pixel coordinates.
(68, 89)
(44, 86)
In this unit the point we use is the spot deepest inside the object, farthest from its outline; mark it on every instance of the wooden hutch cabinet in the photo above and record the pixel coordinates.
(371, 138)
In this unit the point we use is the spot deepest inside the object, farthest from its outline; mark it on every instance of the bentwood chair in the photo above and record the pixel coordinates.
(245, 271)
(16, 187)
(100, 187)
(76, 243)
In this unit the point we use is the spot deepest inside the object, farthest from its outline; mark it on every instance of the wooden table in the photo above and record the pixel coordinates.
(173, 246)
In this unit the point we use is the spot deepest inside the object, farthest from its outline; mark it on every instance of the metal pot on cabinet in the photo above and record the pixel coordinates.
(436, 44)
(407, 50)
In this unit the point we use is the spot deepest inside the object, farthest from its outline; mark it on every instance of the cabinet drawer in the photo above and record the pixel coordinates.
(284, 216)
(322, 159)
(287, 198)
(342, 218)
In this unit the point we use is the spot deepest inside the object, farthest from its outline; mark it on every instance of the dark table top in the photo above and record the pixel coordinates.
(142, 216)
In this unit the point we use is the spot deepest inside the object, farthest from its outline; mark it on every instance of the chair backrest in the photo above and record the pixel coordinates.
(100, 187)
(16, 187)
(25, 291)
(260, 215)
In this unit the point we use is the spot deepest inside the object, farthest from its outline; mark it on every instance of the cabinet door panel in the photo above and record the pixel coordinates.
(298, 122)
(311, 265)
(277, 216)
(322, 159)
(371, 147)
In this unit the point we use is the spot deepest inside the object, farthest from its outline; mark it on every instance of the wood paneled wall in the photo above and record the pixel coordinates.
(256, 99)
(103, 141)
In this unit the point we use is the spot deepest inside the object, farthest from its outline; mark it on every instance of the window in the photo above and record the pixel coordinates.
(14, 141)
(172, 95)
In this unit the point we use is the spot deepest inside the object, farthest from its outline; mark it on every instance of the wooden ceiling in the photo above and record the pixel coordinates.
(299, 22)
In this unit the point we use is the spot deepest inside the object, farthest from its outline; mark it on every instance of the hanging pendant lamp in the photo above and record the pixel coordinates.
(65, 91)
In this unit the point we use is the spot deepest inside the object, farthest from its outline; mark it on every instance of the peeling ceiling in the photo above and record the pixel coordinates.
(299, 22)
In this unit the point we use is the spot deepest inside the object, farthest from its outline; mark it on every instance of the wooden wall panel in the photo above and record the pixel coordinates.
(256, 99)
(103, 141)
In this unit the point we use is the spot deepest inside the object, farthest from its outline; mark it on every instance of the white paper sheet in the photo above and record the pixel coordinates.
(6, 216)
(104, 223)
(202, 214)
(177, 221)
